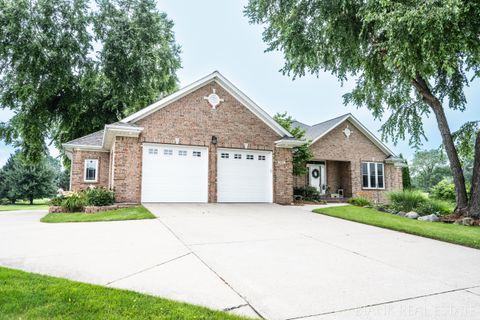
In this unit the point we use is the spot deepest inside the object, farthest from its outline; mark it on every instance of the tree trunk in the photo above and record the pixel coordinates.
(474, 206)
(31, 200)
(458, 179)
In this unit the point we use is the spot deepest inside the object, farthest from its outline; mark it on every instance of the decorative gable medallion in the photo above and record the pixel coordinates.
(347, 132)
(213, 99)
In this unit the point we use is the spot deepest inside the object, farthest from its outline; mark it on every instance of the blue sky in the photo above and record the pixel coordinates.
(215, 35)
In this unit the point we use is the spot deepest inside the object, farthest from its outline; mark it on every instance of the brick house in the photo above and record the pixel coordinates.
(208, 142)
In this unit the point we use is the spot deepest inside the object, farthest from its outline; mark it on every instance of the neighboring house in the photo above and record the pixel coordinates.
(348, 160)
(208, 142)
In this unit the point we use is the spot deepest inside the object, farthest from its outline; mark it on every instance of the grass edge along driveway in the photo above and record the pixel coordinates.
(462, 235)
(26, 295)
(132, 213)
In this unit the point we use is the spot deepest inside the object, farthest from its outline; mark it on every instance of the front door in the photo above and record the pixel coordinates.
(317, 177)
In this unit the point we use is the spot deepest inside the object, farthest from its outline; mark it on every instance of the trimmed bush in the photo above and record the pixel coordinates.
(444, 190)
(407, 200)
(99, 197)
(360, 201)
(308, 193)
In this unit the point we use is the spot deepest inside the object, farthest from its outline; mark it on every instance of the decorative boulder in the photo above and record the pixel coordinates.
(401, 213)
(431, 218)
(411, 215)
(465, 221)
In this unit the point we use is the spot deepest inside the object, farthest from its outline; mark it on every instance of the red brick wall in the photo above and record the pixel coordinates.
(78, 167)
(193, 121)
(127, 173)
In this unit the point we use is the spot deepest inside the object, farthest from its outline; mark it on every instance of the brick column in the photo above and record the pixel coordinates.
(212, 173)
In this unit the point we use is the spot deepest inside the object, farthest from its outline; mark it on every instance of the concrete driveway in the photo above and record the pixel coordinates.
(260, 260)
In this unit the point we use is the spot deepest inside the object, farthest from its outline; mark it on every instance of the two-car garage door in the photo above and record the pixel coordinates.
(177, 173)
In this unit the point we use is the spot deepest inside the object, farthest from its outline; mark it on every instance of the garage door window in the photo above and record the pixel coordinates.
(152, 151)
(261, 157)
(237, 156)
(91, 169)
(182, 153)
(168, 152)
(225, 155)
(249, 156)
(197, 154)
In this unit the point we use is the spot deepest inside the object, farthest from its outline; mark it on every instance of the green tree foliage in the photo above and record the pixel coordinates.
(67, 67)
(409, 59)
(23, 180)
(406, 179)
(301, 154)
(429, 167)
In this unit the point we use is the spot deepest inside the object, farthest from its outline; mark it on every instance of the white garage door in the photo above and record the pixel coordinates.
(244, 176)
(174, 173)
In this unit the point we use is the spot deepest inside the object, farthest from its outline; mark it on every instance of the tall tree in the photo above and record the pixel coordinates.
(67, 68)
(406, 178)
(301, 154)
(429, 167)
(22, 180)
(409, 58)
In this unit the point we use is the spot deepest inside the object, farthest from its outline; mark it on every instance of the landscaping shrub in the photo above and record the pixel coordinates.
(57, 201)
(434, 206)
(308, 193)
(74, 202)
(360, 201)
(444, 190)
(99, 197)
(407, 200)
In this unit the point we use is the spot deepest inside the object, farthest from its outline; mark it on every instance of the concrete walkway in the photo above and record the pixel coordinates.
(260, 260)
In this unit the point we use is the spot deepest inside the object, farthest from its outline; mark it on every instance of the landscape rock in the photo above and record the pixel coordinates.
(431, 218)
(412, 215)
(465, 221)
(401, 213)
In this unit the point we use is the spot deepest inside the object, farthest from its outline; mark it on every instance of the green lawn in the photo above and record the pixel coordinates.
(38, 204)
(467, 236)
(134, 213)
(31, 296)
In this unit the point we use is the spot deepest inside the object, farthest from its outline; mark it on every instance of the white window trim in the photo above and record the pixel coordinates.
(85, 171)
(376, 175)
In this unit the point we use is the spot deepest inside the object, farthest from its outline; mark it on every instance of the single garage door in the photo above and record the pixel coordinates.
(174, 173)
(244, 176)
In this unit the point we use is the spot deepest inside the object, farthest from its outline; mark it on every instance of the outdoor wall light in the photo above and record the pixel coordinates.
(214, 140)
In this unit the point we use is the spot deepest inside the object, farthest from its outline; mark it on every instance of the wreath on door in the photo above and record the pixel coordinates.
(315, 173)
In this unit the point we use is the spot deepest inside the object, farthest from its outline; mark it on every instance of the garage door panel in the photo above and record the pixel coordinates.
(244, 176)
(174, 173)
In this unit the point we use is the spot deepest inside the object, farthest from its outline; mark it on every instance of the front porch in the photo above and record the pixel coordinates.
(331, 178)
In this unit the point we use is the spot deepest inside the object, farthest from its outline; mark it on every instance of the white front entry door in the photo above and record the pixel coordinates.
(244, 176)
(174, 173)
(317, 177)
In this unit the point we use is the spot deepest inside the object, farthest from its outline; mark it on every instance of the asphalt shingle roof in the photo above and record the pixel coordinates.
(312, 132)
(92, 139)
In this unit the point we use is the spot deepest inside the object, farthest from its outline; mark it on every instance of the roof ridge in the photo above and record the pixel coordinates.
(343, 115)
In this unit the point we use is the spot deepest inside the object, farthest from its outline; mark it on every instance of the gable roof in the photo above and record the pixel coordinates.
(225, 84)
(319, 130)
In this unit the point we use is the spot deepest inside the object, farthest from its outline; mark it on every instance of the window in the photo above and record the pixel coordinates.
(373, 175)
(196, 153)
(182, 153)
(168, 152)
(249, 156)
(237, 156)
(261, 157)
(91, 168)
(152, 151)
(225, 155)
